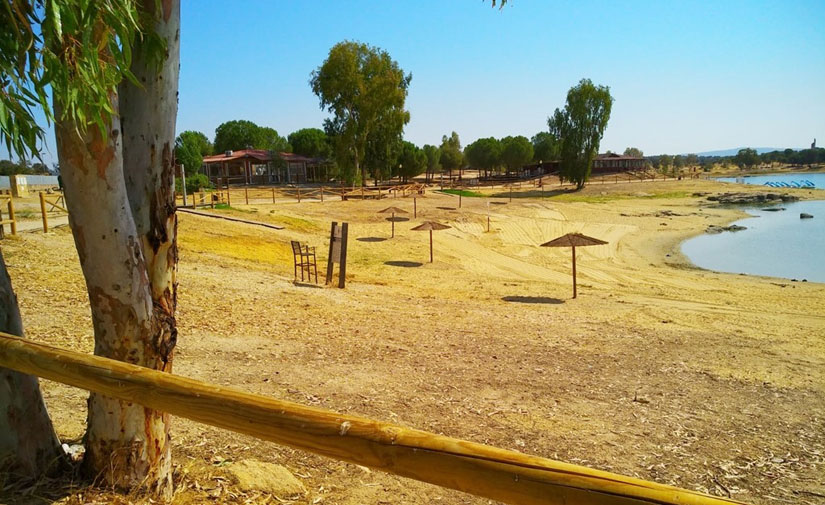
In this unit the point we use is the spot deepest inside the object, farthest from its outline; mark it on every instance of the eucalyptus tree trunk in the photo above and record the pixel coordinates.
(29, 447)
(148, 115)
(124, 442)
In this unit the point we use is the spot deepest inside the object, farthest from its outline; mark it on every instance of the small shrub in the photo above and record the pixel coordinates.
(194, 183)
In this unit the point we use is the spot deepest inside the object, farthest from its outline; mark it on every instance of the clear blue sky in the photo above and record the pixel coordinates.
(686, 76)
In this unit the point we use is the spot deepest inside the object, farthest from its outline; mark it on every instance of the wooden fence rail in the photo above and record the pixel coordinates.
(499, 474)
(56, 203)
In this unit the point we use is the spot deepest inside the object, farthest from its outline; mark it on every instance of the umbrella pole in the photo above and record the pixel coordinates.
(393, 225)
(574, 271)
(415, 207)
(431, 246)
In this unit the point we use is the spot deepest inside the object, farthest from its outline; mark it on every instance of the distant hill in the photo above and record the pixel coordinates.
(732, 152)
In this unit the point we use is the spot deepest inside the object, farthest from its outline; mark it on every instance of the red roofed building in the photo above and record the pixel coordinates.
(612, 162)
(258, 166)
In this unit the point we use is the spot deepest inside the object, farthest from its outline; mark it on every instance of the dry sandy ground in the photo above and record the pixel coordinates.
(659, 370)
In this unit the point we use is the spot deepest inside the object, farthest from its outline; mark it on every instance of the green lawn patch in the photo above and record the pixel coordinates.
(463, 192)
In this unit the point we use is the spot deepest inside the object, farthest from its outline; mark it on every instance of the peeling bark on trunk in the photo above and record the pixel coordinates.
(126, 444)
(29, 447)
(148, 115)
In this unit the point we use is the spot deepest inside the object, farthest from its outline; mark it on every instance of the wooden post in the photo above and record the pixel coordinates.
(228, 200)
(459, 199)
(342, 267)
(431, 246)
(11, 216)
(183, 185)
(246, 194)
(488, 216)
(574, 271)
(299, 193)
(511, 193)
(322, 194)
(330, 262)
(393, 225)
(2, 226)
(43, 212)
(415, 207)
(273, 195)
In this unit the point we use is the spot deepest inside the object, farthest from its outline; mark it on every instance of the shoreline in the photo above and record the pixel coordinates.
(683, 261)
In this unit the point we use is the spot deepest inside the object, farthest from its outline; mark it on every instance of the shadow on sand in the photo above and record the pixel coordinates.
(532, 299)
(302, 284)
(370, 239)
(397, 219)
(405, 264)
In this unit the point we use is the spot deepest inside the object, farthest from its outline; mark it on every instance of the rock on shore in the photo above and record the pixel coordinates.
(739, 198)
(714, 229)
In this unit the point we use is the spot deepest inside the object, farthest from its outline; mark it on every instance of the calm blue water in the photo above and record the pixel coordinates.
(818, 179)
(776, 244)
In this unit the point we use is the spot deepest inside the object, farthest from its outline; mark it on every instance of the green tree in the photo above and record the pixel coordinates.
(678, 163)
(412, 161)
(190, 148)
(365, 90)
(634, 151)
(516, 152)
(271, 141)
(241, 134)
(111, 68)
(746, 158)
(484, 154)
(664, 162)
(546, 147)
(433, 154)
(451, 156)
(382, 150)
(580, 127)
(691, 160)
(312, 142)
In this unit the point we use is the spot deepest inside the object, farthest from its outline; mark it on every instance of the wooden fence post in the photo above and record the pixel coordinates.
(43, 212)
(246, 194)
(13, 219)
(322, 194)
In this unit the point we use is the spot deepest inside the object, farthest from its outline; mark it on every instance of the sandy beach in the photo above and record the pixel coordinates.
(660, 370)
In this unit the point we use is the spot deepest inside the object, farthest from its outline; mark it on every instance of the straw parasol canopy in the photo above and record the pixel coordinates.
(573, 240)
(431, 226)
(393, 211)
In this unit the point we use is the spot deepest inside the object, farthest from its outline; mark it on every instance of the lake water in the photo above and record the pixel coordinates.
(776, 244)
(817, 179)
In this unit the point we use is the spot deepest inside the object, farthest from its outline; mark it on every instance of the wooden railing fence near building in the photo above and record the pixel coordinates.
(257, 194)
(498, 474)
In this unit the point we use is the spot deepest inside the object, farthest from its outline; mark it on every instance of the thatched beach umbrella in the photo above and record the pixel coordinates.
(573, 240)
(393, 211)
(430, 226)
